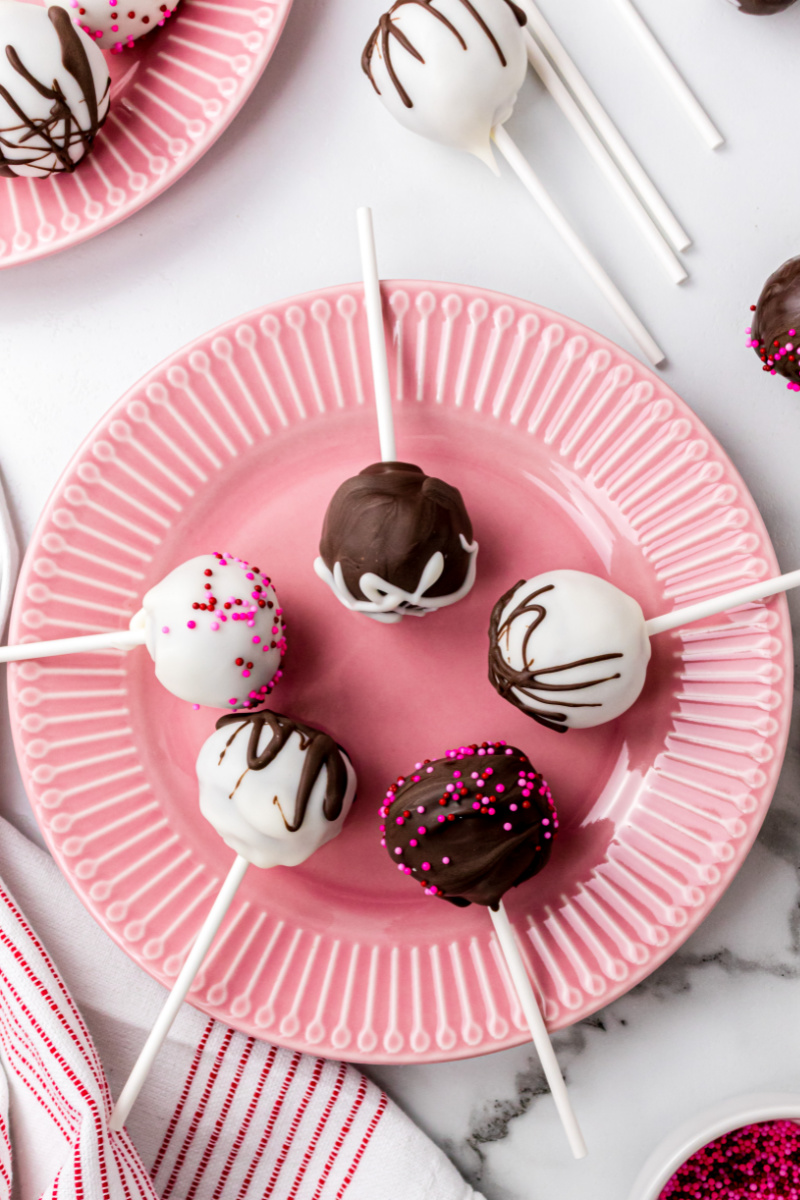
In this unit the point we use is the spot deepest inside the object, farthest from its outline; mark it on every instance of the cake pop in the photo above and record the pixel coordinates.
(467, 827)
(471, 825)
(397, 542)
(275, 790)
(451, 71)
(116, 26)
(762, 8)
(571, 650)
(416, 48)
(212, 627)
(774, 331)
(54, 91)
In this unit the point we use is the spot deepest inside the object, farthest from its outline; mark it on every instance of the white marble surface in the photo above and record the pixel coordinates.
(269, 213)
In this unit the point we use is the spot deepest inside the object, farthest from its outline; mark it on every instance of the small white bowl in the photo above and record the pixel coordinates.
(703, 1128)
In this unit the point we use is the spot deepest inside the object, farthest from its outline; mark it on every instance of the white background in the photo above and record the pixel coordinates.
(269, 213)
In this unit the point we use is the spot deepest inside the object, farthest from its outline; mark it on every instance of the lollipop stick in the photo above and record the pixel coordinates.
(678, 85)
(377, 335)
(608, 165)
(584, 256)
(720, 604)
(114, 639)
(530, 1007)
(179, 992)
(608, 131)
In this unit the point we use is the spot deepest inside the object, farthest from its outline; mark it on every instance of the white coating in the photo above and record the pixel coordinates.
(585, 617)
(458, 95)
(195, 651)
(248, 817)
(28, 29)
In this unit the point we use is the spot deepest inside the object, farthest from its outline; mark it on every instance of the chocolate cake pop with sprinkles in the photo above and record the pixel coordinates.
(470, 825)
(775, 331)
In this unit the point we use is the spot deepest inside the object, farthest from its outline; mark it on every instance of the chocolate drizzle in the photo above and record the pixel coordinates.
(471, 825)
(775, 332)
(76, 62)
(387, 29)
(322, 751)
(530, 680)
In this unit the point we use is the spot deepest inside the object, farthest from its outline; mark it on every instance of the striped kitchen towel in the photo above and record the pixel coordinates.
(222, 1116)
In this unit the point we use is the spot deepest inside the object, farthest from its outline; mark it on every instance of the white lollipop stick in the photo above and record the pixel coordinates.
(599, 152)
(541, 1040)
(720, 604)
(377, 335)
(179, 992)
(9, 561)
(608, 131)
(113, 639)
(620, 305)
(672, 77)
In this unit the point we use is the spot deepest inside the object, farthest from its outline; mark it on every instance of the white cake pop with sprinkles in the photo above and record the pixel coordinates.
(215, 632)
(116, 26)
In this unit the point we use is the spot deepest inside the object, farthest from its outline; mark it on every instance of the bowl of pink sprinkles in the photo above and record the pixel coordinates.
(747, 1148)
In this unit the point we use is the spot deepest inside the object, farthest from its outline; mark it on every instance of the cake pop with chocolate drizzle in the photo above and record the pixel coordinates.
(460, 67)
(569, 649)
(775, 331)
(471, 825)
(54, 91)
(274, 789)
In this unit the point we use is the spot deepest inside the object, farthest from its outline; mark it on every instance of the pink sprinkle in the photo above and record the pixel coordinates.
(191, 624)
(399, 821)
(215, 625)
(196, 707)
(446, 862)
(421, 829)
(398, 850)
(165, 628)
(420, 808)
(256, 641)
(245, 674)
(413, 842)
(507, 827)
(426, 866)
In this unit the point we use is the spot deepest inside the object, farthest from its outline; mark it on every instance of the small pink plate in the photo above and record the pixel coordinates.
(172, 95)
(569, 454)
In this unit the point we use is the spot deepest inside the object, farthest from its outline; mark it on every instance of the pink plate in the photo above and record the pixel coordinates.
(569, 454)
(171, 98)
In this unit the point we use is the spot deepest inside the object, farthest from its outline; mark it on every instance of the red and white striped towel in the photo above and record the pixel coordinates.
(222, 1116)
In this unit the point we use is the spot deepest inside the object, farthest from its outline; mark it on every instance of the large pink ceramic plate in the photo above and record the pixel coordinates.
(569, 453)
(171, 98)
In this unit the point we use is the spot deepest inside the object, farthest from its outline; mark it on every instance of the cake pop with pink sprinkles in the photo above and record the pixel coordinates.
(116, 26)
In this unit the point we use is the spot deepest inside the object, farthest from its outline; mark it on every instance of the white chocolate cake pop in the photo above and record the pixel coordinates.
(114, 26)
(215, 632)
(569, 649)
(54, 91)
(275, 790)
(449, 70)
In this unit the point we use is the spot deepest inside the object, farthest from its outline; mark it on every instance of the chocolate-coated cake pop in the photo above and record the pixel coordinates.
(471, 825)
(762, 8)
(54, 91)
(396, 542)
(569, 649)
(775, 331)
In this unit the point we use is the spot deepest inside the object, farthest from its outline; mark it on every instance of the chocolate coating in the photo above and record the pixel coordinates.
(762, 8)
(471, 825)
(389, 520)
(776, 324)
